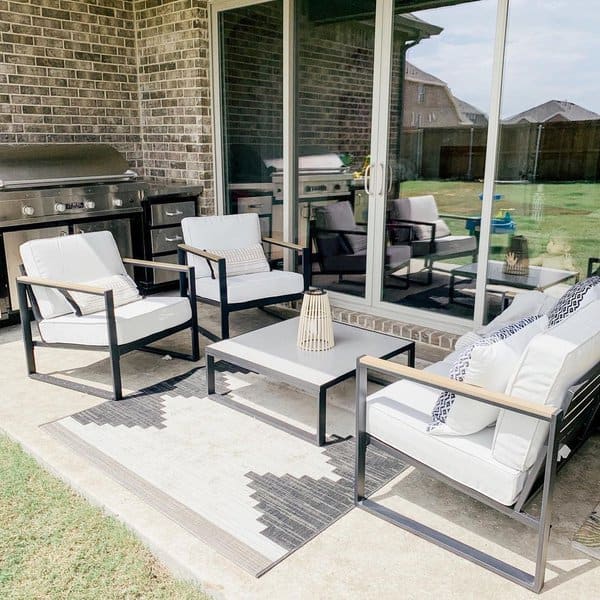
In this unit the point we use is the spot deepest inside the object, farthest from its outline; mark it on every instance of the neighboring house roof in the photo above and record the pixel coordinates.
(413, 73)
(476, 116)
(553, 110)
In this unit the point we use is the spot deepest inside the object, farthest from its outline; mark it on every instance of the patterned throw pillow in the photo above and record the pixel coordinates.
(488, 363)
(242, 261)
(124, 292)
(575, 297)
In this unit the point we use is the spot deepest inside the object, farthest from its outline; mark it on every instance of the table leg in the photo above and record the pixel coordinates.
(210, 374)
(411, 356)
(451, 289)
(322, 407)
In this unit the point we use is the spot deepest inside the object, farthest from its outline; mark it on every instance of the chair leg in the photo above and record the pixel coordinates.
(26, 329)
(115, 366)
(224, 322)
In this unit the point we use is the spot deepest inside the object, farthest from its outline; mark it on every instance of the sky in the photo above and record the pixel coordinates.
(552, 52)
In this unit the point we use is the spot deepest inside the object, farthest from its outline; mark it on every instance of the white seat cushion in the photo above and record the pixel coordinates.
(253, 286)
(73, 258)
(552, 362)
(399, 415)
(134, 321)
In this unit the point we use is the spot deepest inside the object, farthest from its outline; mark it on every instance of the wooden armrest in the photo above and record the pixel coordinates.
(203, 253)
(62, 285)
(151, 264)
(289, 245)
(464, 389)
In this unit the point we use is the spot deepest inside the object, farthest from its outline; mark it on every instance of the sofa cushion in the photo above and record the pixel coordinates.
(399, 415)
(446, 246)
(551, 363)
(576, 297)
(134, 321)
(253, 286)
(70, 258)
(423, 232)
(524, 304)
(241, 261)
(488, 363)
(227, 232)
(124, 292)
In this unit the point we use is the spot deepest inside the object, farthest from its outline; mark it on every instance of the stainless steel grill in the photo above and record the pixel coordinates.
(60, 189)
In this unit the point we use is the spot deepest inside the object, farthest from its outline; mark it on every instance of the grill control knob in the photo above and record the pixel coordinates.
(28, 211)
(59, 207)
(117, 202)
(89, 204)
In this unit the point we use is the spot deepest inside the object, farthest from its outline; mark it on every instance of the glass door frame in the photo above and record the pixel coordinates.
(384, 32)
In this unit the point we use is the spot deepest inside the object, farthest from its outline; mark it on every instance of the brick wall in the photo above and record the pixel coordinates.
(172, 46)
(68, 74)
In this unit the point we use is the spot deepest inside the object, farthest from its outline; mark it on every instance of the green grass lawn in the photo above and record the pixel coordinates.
(53, 544)
(564, 212)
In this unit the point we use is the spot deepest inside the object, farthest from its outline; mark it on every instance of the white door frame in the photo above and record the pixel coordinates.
(379, 145)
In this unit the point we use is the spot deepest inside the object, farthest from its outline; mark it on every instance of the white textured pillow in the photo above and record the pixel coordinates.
(488, 363)
(242, 261)
(124, 292)
(574, 298)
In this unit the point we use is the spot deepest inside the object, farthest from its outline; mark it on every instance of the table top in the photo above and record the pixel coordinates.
(538, 278)
(273, 349)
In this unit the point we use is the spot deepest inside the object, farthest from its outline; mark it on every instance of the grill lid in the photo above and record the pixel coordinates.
(43, 165)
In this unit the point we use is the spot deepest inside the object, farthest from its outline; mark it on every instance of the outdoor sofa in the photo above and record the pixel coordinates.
(495, 417)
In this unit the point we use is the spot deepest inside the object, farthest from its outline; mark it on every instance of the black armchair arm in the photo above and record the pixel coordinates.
(591, 263)
(341, 231)
(427, 224)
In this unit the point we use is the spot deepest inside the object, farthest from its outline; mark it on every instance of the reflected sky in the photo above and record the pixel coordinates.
(551, 52)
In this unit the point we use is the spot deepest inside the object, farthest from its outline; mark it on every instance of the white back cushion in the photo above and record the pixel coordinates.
(227, 232)
(73, 258)
(553, 361)
(415, 208)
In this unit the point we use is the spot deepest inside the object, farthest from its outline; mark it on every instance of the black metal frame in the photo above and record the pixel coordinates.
(116, 350)
(433, 255)
(591, 263)
(314, 231)
(226, 307)
(574, 426)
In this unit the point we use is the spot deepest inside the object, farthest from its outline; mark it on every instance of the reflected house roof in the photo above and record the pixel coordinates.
(476, 116)
(553, 111)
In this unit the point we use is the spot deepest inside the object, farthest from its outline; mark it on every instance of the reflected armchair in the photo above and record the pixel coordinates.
(431, 237)
(341, 244)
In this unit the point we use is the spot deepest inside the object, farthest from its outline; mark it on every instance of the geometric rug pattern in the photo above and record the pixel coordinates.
(252, 491)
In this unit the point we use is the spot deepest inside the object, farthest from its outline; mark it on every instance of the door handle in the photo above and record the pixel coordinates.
(177, 213)
(381, 182)
(368, 179)
(390, 174)
(177, 238)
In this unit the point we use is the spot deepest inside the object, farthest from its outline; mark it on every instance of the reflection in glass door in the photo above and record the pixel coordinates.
(251, 68)
(335, 69)
(436, 143)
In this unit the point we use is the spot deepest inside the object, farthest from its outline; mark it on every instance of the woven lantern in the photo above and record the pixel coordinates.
(315, 329)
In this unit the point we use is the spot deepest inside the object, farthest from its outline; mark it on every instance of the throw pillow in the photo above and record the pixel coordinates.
(124, 292)
(574, 298)
(242, 261)
(423, 232)
(488, 363)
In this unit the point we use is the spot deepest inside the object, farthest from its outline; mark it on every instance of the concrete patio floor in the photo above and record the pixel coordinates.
(359, 555)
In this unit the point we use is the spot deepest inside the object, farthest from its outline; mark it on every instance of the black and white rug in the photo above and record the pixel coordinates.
(248, 489)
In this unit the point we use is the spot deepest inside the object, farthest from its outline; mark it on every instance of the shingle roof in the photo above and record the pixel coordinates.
(551, 110)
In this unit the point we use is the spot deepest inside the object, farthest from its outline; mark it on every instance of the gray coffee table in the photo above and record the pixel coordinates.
(538, 278)
(272, 351)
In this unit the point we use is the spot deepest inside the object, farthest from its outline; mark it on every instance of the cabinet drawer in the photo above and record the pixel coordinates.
(171, 213)
(161, 276)
(262, 205)
(166, 240)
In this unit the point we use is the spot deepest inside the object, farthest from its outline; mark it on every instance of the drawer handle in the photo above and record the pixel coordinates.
(177, 213)
(177, 238)
(254, 205)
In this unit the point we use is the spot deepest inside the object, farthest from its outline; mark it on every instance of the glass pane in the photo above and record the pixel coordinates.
(252, 92)
(441, 78)
(335, 87)
(549, 161)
